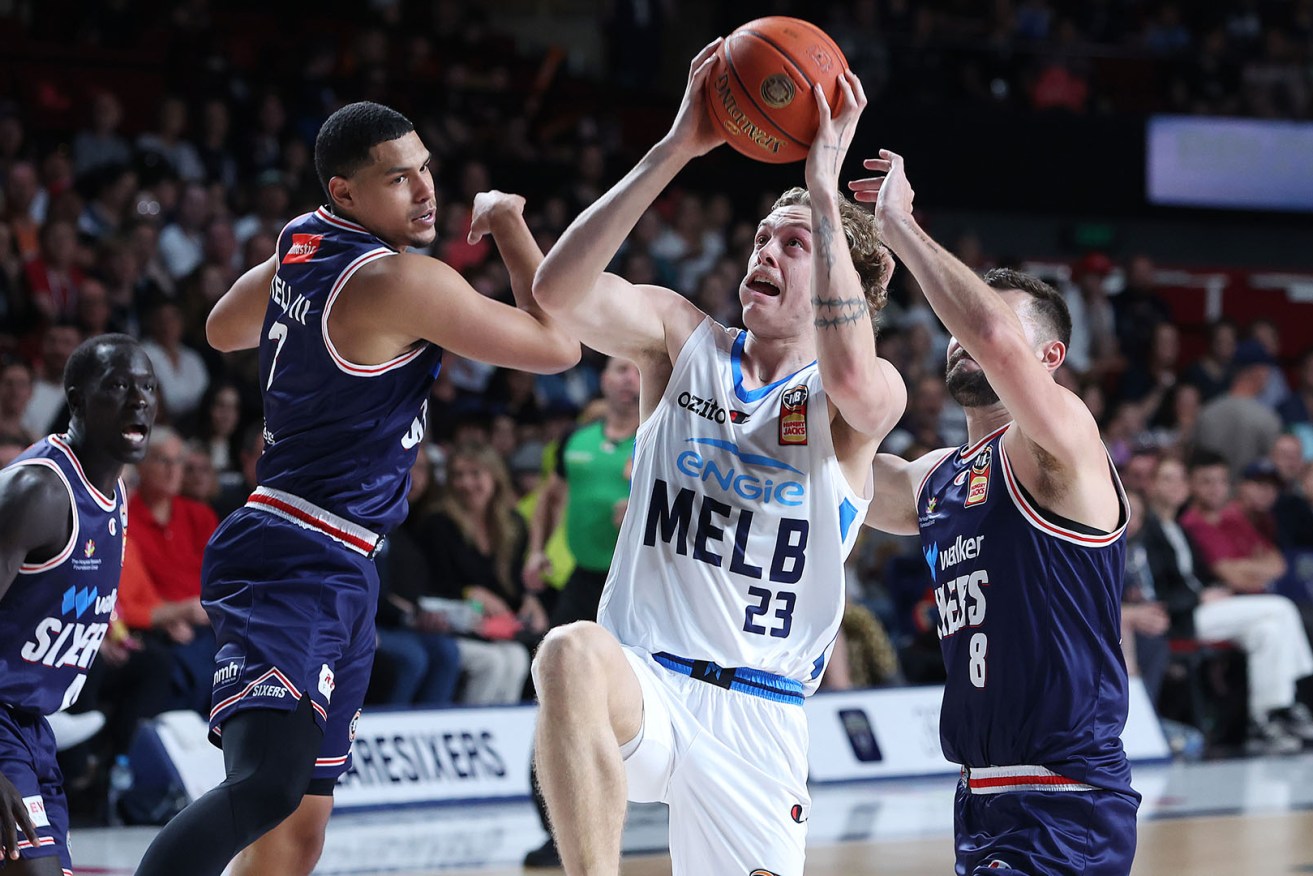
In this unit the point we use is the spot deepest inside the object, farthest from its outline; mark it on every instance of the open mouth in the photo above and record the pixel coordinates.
(425, 218)
(135, 434)
(764, 287)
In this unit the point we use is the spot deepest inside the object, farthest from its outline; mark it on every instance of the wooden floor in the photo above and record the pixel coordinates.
(1231, 845)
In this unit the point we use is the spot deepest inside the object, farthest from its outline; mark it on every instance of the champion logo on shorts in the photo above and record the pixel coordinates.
(355, 722)
(798, 813)
(326, 683)
(996, 864)
(761, 872)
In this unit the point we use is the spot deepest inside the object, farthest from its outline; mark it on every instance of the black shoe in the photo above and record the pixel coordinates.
(545, 855)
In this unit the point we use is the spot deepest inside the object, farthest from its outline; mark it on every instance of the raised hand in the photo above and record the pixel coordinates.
(835, 133)
(488, 208)
(892, 194)
(13, 818)
(693, 130)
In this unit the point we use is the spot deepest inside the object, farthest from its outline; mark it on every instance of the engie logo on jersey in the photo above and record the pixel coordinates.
(978, 485)
(303, 248)
(793, 415)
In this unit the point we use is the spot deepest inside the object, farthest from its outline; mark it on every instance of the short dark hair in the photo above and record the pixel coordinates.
(1203, 458)
(85, 360)
(1046, 302)
(344, 141)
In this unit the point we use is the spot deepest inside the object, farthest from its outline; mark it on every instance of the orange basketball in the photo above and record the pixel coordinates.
(760, 87)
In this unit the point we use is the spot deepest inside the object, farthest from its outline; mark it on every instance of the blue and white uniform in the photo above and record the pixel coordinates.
(1036, 698)
(727, 589)
(289, 580)
(52, 621)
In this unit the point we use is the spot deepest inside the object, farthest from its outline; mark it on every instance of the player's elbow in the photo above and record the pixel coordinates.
(218, 334)
(547, 288)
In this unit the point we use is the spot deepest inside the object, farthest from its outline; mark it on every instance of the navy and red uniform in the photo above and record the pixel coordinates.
(289, 580)
(52, 621)
(1036, 698)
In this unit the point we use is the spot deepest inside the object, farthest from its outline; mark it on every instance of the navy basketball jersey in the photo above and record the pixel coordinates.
(1029, 623)
(56, 613)
(337, 434)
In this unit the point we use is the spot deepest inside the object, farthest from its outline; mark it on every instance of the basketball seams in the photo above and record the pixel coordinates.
(752, 98)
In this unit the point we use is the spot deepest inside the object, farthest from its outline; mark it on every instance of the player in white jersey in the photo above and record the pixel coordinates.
(751, 472)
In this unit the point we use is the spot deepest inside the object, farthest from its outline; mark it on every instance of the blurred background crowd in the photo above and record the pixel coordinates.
(150, 152)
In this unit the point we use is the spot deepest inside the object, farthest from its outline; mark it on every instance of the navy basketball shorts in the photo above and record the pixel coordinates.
(293, 615)
(27, 758)
(1045, 833)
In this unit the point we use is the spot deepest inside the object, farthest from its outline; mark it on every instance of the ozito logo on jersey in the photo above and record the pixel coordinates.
(707, 408)
(978, 485)
(793, 415)
(303, 248)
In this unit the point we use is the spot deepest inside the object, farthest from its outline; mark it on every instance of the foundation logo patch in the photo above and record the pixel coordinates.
(89, 548)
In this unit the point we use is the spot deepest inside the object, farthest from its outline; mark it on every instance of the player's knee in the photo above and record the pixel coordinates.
(266, 798)
(574, 652)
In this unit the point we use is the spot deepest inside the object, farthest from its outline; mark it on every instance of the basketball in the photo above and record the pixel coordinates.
(760, 87)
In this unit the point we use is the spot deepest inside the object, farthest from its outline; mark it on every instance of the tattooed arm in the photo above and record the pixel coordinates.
(866, 394)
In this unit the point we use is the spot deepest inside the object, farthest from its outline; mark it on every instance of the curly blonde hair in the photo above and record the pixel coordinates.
(870, 256)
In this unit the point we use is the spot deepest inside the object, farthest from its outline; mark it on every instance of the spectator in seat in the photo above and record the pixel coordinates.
(1237, 425)
(171, 531)
(1213, 589)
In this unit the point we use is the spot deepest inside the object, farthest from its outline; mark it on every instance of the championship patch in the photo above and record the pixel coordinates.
(793, 415)
(978, 485)
(303, 248)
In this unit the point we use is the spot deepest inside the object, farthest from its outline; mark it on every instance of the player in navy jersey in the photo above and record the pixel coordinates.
(351, 330)
(1023, 533)
(63, 514)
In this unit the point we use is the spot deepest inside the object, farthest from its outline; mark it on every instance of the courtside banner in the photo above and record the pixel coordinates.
(432, 756)
(892, 732)
(399, 757)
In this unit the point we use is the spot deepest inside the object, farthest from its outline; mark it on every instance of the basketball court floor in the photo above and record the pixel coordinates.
(1246, 817)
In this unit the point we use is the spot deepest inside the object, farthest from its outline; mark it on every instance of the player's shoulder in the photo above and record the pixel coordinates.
(33, 490)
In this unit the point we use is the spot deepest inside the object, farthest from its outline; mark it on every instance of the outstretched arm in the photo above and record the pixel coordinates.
(603, 308)
(867, 392)
(392, 302)
(984, 324)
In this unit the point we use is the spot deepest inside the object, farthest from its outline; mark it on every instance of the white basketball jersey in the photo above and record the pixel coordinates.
(739, 520)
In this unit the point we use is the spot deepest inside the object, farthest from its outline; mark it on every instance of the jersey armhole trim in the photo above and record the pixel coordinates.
(948, 454)
(1036, 519)
(105, 502)
(344, 364)
(34, 568)
(678, 369)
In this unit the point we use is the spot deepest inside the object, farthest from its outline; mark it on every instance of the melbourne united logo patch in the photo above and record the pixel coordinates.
(793, 415)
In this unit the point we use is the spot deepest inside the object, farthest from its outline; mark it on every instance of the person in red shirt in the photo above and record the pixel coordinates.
(1235, 550)
(169, 531)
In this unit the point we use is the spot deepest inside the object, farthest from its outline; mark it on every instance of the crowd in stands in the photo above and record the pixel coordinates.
(132, 215)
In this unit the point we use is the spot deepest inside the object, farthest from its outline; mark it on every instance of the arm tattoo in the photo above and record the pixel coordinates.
(834, 312)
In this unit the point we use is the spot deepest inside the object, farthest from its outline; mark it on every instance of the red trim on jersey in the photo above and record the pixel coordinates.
(341, 361)
(351, 540)
(1039, 522)
(33, 568)
(347, 224)
(973, 449)
(925, 480)
(101, 499)
(331, 761)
